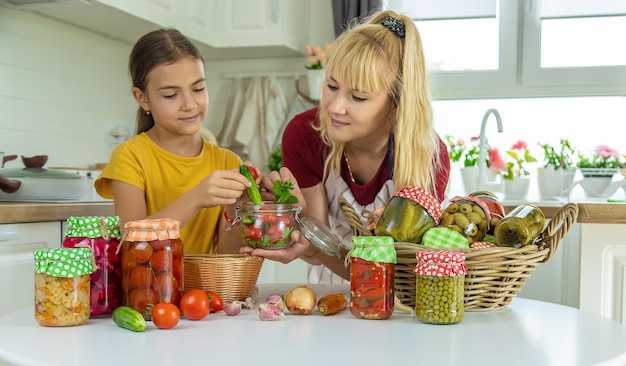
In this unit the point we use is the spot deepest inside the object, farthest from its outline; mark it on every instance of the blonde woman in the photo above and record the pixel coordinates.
(372, 135)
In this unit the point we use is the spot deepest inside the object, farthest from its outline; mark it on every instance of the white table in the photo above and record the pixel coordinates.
(526, 333)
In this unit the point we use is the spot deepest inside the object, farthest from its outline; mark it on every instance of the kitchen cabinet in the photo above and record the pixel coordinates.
(17, 243)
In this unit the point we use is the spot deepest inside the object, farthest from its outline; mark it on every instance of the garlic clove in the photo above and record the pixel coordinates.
(268, 312)
(276, 300)
(234, 308)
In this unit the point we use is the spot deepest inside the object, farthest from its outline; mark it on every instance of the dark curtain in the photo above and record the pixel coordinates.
(346, 10)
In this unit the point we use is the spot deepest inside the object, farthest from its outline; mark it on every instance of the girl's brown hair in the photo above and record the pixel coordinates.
(159, 47)
(372, 57)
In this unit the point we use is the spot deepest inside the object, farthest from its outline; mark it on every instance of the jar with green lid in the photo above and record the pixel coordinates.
(62, 286)
(439, 297)
(372, 277)
(152, 263)
(520, 227)
(408, 215)
(102, 235)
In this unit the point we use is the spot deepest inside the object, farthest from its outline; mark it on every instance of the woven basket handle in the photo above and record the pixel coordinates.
(352, 217)
(557, 228)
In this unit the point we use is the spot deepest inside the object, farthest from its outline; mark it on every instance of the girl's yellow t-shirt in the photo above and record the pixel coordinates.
(164, 176)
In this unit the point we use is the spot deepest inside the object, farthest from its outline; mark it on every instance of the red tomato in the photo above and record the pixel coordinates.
(255, 173)
(268, 218)
(253, 233)
(195, 304)
(165, 315)
(215, 302)
(283, 221)
(274, 232)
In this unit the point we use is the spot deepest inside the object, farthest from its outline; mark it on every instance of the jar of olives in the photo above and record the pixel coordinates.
(440, 286)
(372, 277)
(520, 227)
(408, 215)
(152, 263)
(496, 210)
(468, 215)
(102, 235)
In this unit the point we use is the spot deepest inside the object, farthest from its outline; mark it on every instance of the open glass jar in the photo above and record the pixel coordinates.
(269, 225)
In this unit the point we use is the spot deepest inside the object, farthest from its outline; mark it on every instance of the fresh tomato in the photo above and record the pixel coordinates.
(215, 302)
(274, 232)
(195, 304)
(253, 233)
(270, 217)
(255, 173)
(165, 315)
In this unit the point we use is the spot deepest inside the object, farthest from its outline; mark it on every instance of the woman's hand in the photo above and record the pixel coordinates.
(284, 174)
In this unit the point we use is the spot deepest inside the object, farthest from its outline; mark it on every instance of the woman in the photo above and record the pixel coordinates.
(372, 135)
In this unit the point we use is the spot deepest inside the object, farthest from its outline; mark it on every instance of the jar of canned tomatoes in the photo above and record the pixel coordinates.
(372, 277)
(152, 263)
(62, 286)
(439, 296)
(102, 235)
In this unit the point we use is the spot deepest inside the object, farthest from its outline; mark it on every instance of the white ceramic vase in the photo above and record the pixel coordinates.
(516, 188)
(554, 183)
(314, 79)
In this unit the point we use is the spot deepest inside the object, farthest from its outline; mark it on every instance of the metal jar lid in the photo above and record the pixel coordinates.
(319, 235)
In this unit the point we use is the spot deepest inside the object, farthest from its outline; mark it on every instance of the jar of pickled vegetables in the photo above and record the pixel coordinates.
(408, 215)
(267, 225)
(62, 286)
(468, 215)
(520, 227)
(102, 235)
(152, 263)
(439, 297)
(496, 209)
(372, 277)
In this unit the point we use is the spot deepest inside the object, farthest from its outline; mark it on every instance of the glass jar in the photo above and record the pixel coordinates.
(439, 297)
(102, 235)
(520, 227)
(267, 225)
(467, 215)
(372, 277)
(408, 215)
(62, 286)
(152, 263)
(496, 210)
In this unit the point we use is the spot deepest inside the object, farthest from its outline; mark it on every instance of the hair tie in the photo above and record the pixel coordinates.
(394, 25)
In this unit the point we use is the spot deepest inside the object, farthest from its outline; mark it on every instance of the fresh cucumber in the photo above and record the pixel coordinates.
(129, 318)
(253, 190)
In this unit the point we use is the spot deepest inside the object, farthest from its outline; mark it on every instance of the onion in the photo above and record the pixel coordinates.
(300, 300)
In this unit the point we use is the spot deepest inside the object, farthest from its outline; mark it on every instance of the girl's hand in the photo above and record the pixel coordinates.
(222, 188)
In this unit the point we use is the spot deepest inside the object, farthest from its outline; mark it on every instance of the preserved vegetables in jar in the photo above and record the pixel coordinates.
(439, 297)
(152, 263)
(468, 216)
(496, 210)
(62, 286)
(408, 215)
(372, 277)
(520, 227)
(102, 235)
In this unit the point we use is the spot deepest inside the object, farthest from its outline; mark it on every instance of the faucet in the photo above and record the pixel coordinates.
(481, 182)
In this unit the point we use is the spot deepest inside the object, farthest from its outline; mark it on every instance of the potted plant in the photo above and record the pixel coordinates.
(598, 169)
(317, 60)
(515, 174)
(556, 176)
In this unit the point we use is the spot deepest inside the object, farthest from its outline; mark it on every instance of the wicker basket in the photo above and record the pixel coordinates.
(494, 275)
(232, 276)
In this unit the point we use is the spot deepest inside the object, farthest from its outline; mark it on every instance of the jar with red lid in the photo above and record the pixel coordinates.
(152, 263)
(408, 215)
(372, 277)
(440, 295)
(102, 235)
(468, 215)
(496, 209)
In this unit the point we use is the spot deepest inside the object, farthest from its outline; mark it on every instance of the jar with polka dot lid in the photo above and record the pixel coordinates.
(408, 215)
(62, 286)
(439, 297)
(102, 235)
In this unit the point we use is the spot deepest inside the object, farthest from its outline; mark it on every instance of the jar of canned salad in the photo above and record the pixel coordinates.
(372, 277)
(408, 215)
(102, 235)
(62, 286)
(520, 227)
(439, 297)
(152, 263)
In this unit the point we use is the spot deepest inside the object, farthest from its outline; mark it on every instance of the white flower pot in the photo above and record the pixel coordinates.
(314, 79)
(597, 186)
(554, 184)
(469, 176)
(516, 188)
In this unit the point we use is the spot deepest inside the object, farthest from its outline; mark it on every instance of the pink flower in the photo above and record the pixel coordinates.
(496, 162)
(605, 152)
(519, 145)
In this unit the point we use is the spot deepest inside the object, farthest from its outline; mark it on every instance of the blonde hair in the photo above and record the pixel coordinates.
(371, 57)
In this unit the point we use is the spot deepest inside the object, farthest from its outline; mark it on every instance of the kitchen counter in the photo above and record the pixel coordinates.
(527, 332)
(24, 212)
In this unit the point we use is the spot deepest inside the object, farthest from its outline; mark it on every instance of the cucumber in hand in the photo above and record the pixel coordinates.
(253, 190)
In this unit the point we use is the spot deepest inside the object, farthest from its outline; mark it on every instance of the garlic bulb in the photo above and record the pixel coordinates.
(268, 311)
(300, 300)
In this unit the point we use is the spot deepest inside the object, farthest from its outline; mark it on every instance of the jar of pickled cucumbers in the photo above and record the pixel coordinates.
(152, 263)
(102, 235)
(62, 286)
(520, 227)
(439, 297)
(408, 215)
(372, 277)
